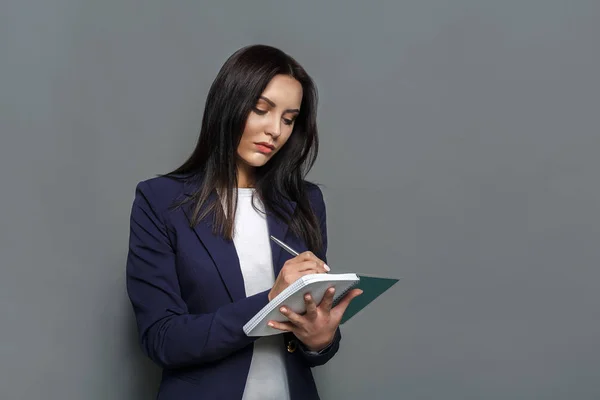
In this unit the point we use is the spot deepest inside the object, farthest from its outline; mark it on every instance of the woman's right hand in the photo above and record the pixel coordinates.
(303, 264)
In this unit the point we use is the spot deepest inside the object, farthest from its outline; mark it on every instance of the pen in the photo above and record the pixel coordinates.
(289, 249)
(284, 246)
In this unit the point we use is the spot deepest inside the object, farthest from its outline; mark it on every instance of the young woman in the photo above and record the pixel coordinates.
(200, 262)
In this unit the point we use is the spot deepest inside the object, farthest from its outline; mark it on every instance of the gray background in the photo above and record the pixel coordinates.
(459, 145)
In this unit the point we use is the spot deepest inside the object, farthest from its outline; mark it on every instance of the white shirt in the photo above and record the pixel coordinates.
(267, 378)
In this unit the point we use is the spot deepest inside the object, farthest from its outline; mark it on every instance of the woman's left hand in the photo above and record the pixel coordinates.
(316, 328)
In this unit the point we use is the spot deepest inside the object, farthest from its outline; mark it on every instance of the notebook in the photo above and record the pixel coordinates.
(316, 284)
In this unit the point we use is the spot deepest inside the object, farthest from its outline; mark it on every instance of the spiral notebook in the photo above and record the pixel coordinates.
(316, 284)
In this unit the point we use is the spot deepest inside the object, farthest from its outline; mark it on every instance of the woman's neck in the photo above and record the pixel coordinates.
(245, 176)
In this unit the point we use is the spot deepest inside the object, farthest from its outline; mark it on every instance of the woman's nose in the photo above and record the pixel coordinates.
(274, 127)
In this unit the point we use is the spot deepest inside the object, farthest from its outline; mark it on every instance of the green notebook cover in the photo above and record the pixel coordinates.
(372, 288)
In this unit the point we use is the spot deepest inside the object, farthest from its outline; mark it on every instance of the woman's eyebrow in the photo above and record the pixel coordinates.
(272, 104)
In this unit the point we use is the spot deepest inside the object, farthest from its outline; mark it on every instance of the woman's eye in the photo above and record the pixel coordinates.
(259, 111)
(288, 121)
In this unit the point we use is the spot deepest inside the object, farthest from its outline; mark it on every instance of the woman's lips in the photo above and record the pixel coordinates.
(264, 148)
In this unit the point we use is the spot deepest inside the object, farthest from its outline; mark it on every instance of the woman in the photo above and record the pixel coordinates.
(200, 262)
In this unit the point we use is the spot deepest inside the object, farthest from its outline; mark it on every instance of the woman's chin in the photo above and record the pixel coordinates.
(256, 160)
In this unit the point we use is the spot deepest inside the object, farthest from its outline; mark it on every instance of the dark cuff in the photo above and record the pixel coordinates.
(317, 353)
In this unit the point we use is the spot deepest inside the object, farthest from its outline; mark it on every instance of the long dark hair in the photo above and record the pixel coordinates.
(233, 94)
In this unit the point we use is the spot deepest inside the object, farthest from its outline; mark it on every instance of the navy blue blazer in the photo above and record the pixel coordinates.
(187, 293)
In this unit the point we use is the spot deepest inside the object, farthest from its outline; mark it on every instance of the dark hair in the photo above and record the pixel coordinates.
(233, 94)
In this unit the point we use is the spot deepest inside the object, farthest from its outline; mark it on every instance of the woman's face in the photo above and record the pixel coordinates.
(270, 123)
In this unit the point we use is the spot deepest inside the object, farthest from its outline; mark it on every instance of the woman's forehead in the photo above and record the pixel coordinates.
(284, 91)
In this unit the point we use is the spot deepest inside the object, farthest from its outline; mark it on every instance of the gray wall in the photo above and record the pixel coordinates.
(459, 152)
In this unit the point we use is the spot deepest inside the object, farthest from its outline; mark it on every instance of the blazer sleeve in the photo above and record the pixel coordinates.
(314, 359)
(169, 334)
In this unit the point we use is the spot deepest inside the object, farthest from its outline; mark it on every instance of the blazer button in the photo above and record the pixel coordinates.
(291, 346)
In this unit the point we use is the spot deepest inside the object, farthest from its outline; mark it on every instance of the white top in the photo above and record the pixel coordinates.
(267, 378)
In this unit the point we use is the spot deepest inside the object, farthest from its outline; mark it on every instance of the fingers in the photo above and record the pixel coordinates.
(311, 306)
(345, 301)
(290, 273)
(310, 265)
(327, 300)
(294, 271)
(297, 319)
(309, 256)
(293, 276)
(282, 326)
(294, 318)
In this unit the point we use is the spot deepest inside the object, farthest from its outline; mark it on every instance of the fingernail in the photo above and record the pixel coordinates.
(283, 309)
(327, 267)
(271, 324)
(307, 296)
(332, 290)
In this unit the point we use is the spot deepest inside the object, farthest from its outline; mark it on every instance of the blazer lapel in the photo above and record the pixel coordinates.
(222, 252)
